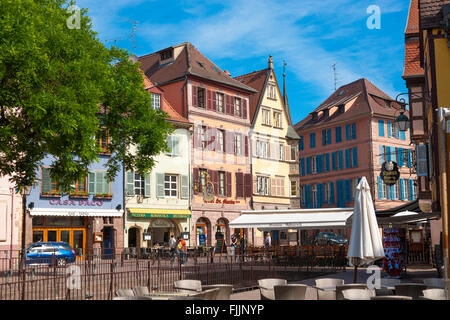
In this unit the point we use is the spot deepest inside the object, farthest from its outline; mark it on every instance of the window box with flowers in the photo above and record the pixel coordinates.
(79, 194)
(104, 196)
(51, 194)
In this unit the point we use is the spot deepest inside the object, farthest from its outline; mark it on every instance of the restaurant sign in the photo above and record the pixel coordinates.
(389, 172)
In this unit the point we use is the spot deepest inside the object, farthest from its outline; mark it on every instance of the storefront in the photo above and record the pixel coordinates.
(148, 227)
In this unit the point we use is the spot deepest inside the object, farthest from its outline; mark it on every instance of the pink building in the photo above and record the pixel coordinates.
(347, 137)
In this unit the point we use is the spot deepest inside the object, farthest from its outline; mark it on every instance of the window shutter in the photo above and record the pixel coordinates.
(229, 137)
(391, 192)
(394, 154)
(340, 194)
(401, 162)
(389, 128)
(147, 185)
(228, 184)
(255, 186)
(197, 136)
(353, 130)
(319, 163)
(421, 160)
(308, 196)
(273, 187)
(214, 100)
(248, 185)
(287, 153)
(324, 137)
(331, 193)
(229, 104)
(329, 136)
(337, 134)
(381, 155)
(184, 187)
(388, 153)
(347, 132)
(160, 185)
(302, 167)
(355, 157)
(341, 160)
(129, 183)
(319, 195)
(411, 189)
(380, 193)
(327, 162)
(215, 181)
(195, 173)
(209, 100)
(348, 190)
(194, 96)
(46, 180)
(402, 189)
(308, 165)
(98, 182)
(312, 140)
(333, 161)
(347, 158)
(244, 108)
(381, 128)
(301, 145)
(246, 145)
(239, 184)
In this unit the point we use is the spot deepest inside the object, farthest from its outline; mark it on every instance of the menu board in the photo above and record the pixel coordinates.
(394, 260)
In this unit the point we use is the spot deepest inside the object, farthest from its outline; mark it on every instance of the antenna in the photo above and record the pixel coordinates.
(133, 30)
(335, 76)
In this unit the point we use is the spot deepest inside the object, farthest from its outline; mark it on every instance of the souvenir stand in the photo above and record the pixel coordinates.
(394, 262)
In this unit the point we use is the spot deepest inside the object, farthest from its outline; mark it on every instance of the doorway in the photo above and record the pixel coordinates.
(133, 238)
(108, 242)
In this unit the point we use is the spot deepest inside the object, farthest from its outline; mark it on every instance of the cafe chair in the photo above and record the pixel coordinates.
(266, 287)
(340, 288)
(434, 294)
(356, 294)
(290, 291)
(140, 290)
(413, 290)
(125, 293)
(188, 286)
(225, 290)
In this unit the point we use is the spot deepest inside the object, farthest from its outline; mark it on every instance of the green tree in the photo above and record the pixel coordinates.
(59, 86)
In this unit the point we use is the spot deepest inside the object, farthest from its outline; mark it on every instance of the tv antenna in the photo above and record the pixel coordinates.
(133, 31)
(335, 76)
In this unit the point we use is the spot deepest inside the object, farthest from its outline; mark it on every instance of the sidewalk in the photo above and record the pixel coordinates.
(414, 273)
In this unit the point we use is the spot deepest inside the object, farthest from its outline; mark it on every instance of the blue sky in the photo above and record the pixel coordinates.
(239, 36)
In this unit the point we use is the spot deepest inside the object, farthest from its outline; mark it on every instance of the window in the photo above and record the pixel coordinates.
(171, 186)
(262, 185)
(222, 189)
(237, 144)
(203, 137)
(172, 144)
(404, 189)
(262, 149)
(80, 186)
(98, 184)
(293, 188)
(166, 54)
(314, 164)
(48, 185)
(139, 184)
(201, 97)
(103, 140)
(271, 93)
(202, 173)
(293, 153)
(383, 189)
(326, 192)
(156, 101)
(381, 128)
(354, 185)
(266, 116)
(237, 107)
(219, 102)
(220, 137)
(314, 196)
(281, 152)
(277, 119)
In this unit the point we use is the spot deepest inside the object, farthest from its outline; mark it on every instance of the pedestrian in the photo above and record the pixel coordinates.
(233, 244)
(182, 249)
(173, 247)
(268, 241)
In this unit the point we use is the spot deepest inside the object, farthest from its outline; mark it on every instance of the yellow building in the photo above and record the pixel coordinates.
(274, 149)
(434, 44)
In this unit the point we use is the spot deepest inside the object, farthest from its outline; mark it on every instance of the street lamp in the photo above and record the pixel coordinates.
(402, 122)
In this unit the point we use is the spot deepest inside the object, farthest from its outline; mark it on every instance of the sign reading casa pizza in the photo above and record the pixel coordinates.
(389, 173)
(224, 201)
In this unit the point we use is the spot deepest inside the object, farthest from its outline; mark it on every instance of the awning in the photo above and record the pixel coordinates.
(407, 217)
(159, 213)
(76, 212)
(301, 219)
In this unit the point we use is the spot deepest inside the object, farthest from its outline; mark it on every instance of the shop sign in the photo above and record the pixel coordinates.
(185, 235)
(222, 201)
(98, 236)
(75, 203)
(389, 172)
(162, 223)
(147, 236)
(158, 215)
(202, 239)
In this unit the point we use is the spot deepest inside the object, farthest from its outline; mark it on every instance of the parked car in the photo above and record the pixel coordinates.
(49, 253)
(330, 238)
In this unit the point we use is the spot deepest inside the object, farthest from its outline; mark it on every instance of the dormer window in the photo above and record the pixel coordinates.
(315, 116)
(326, 113)
(166, 54)
(387, 103)
(341, 108)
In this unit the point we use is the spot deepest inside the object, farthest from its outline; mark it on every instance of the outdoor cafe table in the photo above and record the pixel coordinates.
(166, 295)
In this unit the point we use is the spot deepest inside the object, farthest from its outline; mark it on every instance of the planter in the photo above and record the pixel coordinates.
(103, 196)
(79, 196)
(51, 195)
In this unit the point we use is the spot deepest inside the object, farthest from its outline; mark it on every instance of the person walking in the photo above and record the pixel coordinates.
(233, 245)
(173, 248)
(182, 250)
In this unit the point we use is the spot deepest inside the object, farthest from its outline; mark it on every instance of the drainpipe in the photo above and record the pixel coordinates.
(444, 145)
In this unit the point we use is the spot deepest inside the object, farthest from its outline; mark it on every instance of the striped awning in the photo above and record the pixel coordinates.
(159, 213)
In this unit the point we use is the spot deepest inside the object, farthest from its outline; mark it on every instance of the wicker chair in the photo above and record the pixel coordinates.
(329, 282)
(225, 290)
(356, 294)
(434, 294)
(188, 286)
(339, 289)
(413, 290)
(141, 290)
(125, 293)
(290, 292)
(266, 287)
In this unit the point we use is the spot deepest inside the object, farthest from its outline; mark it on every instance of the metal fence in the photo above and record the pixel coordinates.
(99, 276)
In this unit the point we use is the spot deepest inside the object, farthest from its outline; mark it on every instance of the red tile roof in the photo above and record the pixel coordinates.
(256, 80)
(412, 25)
(431, 12)
(369, 100)
(412, 59)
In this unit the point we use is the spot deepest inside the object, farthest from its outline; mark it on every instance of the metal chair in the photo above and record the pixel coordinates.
(266, 287)
(290, 292)
(413, 290)
(188, 286)
(125, 293)
(356, 294)
(225, 290)
(140, 290)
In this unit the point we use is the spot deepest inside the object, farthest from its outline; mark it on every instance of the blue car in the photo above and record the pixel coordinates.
(330, 238)
(50, 253)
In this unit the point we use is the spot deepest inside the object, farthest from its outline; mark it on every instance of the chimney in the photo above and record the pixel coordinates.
(270, 63)
(227, 73)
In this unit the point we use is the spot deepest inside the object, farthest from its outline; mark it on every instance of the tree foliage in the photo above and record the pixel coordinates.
(59, 87)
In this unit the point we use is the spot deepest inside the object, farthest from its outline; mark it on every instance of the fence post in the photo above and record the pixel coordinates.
(22, 268)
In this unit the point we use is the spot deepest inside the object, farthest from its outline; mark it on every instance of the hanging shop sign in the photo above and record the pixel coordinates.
(147, 236)
(389, 173)
(185, 235)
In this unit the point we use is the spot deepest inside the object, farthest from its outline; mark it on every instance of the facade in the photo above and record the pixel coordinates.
(217, 105)
(433, 101)
(347, 137)
(158, 204)
(274, 148)
(10, 217)
(90, 219)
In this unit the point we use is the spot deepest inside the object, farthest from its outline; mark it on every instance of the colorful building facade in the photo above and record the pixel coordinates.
(10, 217)
(158, 204)
(274, 148)
(217, 105)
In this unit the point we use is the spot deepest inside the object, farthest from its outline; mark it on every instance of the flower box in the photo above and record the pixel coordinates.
(104, 196)
(52, 194)
(79, 195)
